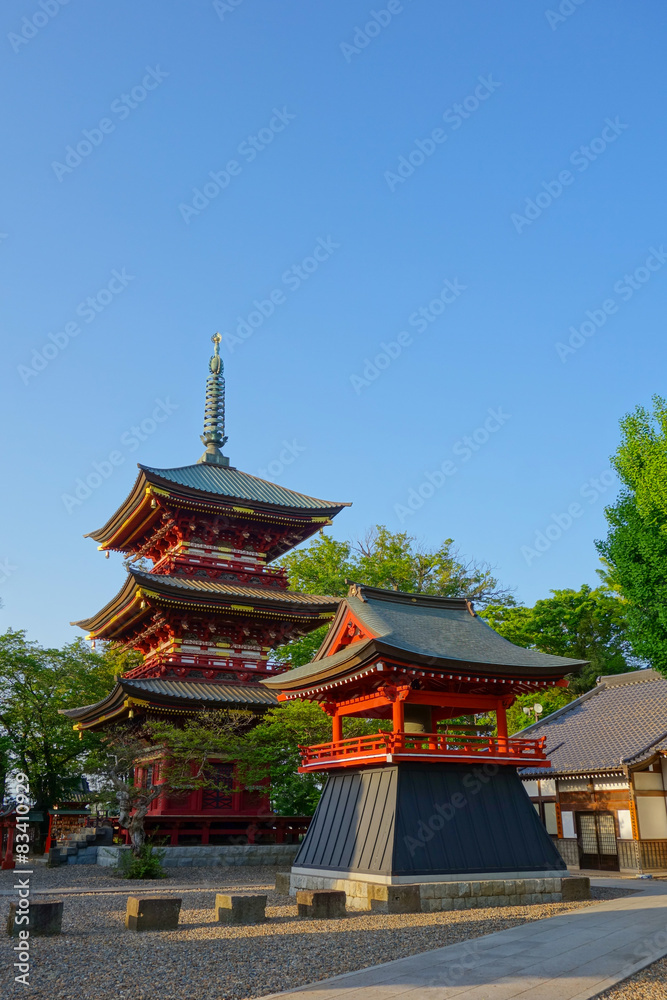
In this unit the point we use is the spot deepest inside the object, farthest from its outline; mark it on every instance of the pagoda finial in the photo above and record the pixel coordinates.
(214, 412)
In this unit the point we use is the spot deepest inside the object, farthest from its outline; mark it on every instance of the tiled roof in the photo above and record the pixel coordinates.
(228, 482)
(622, 721)
(441, 632)
(181, 691)
(224, 589)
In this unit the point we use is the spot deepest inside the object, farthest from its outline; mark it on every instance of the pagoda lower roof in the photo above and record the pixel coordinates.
(210, 488)
(170, 696)
(201, 594)
(443, 634)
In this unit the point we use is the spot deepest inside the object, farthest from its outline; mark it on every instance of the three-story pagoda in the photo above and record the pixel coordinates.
(207, 614)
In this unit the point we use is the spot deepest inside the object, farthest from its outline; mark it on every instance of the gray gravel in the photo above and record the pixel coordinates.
(649, 984)
(96, 957)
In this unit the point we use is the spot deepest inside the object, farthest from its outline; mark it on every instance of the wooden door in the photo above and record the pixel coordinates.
(597, 840)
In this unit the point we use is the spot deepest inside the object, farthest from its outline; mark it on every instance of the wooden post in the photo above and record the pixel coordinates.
(501, 720)
(398, 715)
(337, 728)
(8, 860)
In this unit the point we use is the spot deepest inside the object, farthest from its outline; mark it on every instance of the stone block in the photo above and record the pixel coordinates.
(509, 887)
(240, 909)
(520, 886)
(320, 904)
(463, 888)
(451, 889)
(487, 888)
(458, 904)
(45, 918)
(429, 890)
(152, 913)
(498, 887)
(283, 883)
(575, 888)
(395, 898)
(476, 888)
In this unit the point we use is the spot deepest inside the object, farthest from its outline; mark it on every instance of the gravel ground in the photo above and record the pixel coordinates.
(95, 956)
(649, 984)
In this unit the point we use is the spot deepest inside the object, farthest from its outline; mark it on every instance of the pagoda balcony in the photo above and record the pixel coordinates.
(455, 748)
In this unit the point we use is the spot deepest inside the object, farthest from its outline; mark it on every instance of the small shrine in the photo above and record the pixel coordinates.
(431, 798)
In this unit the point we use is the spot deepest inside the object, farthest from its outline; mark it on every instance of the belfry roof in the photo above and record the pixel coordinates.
(439, 632)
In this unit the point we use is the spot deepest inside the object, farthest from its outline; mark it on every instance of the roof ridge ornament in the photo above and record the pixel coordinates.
(214, 412)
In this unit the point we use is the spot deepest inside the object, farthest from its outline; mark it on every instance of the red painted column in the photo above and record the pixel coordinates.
(398, 716)
(501, 720)
(337, 728)
(8, 860)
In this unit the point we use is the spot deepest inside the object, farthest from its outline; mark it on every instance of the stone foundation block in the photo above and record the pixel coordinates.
(320, 904)
(152, 913)
(395, 898)
(575, 888)
(45, 918)
(240, 909)
(283, 883)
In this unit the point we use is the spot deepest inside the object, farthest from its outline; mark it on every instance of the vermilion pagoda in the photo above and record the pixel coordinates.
(421, 803)
(209, 612)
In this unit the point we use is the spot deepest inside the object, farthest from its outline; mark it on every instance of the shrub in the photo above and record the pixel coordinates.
(147, 864)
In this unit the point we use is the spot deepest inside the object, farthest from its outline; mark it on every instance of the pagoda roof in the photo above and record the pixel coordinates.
(169, 694)
(200, 594)
(441, 633)
(211, 485)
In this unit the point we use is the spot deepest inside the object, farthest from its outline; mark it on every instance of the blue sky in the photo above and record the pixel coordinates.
(498, 167)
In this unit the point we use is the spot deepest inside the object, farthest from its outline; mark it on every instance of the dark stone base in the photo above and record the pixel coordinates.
(420, 822)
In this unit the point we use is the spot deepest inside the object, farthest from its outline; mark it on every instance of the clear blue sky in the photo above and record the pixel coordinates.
(171, 94)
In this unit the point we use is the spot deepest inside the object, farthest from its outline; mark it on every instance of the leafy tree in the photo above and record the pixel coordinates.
(587, 624)
(34, 684)
(273, 747)
(393, 561)
(636, 544)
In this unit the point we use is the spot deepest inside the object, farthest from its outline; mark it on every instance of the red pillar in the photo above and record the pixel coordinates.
(501, 721)
(398, 716)
(8, 860)
(337, 728)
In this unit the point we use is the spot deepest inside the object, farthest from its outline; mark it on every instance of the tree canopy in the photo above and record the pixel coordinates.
(636, 544)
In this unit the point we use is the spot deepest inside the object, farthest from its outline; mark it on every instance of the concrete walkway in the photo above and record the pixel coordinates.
(573, 956)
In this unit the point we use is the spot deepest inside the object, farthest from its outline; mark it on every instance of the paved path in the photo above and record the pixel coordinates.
(569, 957)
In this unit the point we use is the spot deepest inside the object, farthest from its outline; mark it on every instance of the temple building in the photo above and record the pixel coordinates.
(207, 614)
(604, 797)
(434, 799)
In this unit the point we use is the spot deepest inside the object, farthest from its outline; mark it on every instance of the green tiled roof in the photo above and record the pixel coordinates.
(439, 632)
(228, 482)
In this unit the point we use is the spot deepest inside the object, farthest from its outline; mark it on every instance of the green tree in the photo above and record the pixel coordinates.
(587, 624)
(34, 684)
(636, 544)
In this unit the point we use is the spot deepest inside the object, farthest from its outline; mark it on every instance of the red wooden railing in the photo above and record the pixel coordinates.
(447, 745)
